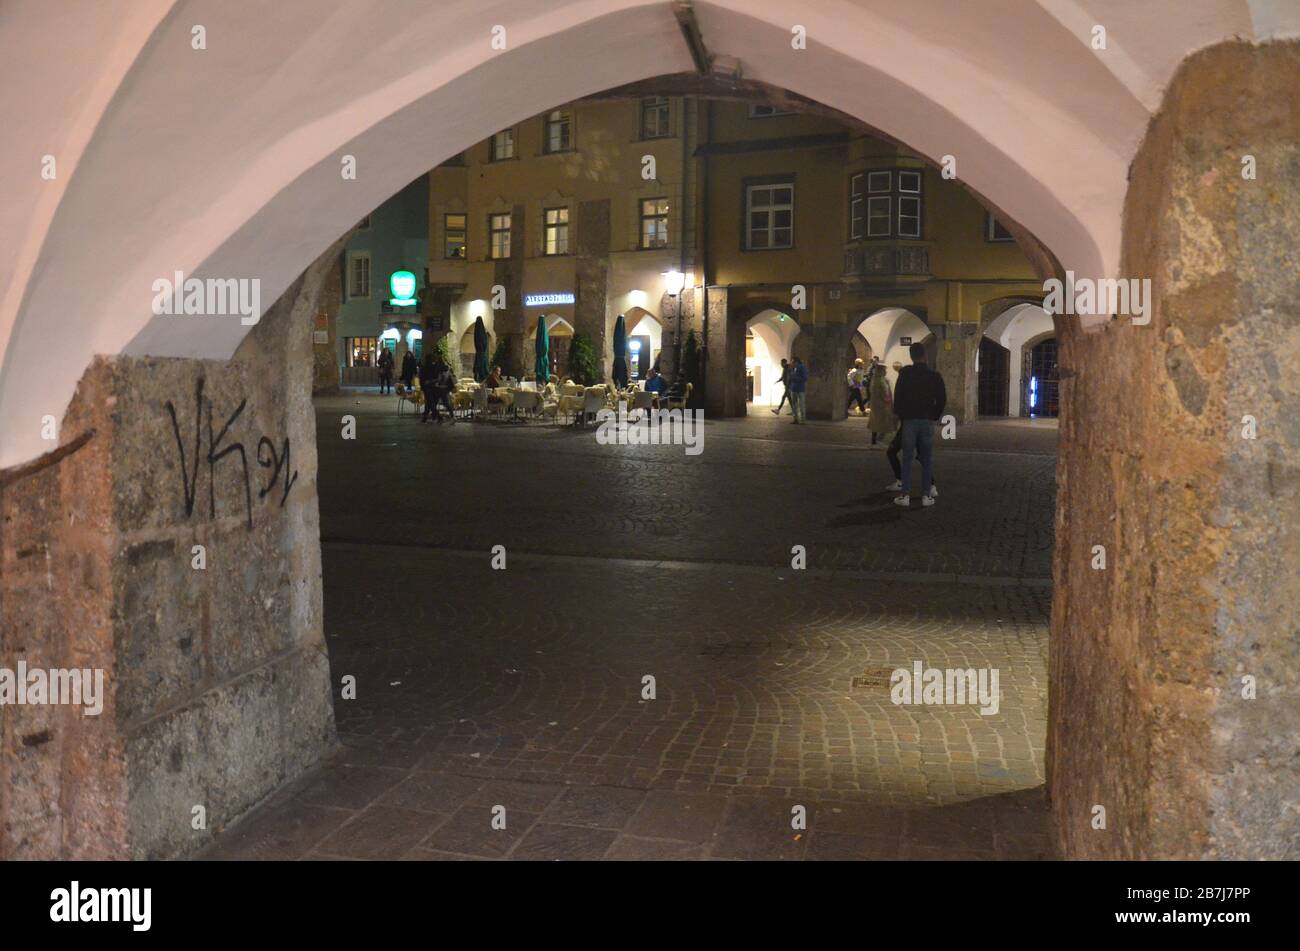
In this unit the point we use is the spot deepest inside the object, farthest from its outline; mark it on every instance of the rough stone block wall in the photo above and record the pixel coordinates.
(62, 774)
(825, 348)
(325, 356)
(1201, 525)
(591, 271)
(957, 365)
(217, 680)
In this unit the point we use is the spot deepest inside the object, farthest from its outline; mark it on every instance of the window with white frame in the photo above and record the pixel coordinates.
(893, 204)
(359, 274)
(499, 230)
(909, 204)
(857, 206)
(654, 118)
(503, 145)
(994, 230)
(880, 204)
(559, 131)
(769, 216)
(557, 231)
(654, 223)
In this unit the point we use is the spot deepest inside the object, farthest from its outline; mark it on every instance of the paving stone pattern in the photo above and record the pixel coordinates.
(523, 688)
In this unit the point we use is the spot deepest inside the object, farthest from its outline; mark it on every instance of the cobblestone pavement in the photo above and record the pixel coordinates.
(525, 687)
(760, 486)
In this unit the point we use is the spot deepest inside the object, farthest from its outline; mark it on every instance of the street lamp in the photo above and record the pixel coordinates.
(674, 280)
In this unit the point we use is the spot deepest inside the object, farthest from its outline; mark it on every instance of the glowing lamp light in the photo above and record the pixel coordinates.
(674, 280)
(634, 346)
(402, 285)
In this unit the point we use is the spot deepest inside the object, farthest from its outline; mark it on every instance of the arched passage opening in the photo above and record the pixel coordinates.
(269, 205)
(891, 332)
(560, 336)
(645, 334)
(769, 340)
(1004, 378)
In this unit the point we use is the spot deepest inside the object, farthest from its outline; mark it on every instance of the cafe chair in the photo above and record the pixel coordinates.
(686, 398)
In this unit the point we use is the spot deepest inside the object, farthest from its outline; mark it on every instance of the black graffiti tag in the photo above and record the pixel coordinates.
(218, 449)
(279, 462)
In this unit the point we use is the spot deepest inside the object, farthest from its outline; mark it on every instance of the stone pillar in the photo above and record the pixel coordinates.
(827, 350)
(172, 541)
(591, 274)
(325, 353)
(436, 315)
(955, 354)
(1179, 442)
(719, 351)
(508, 324)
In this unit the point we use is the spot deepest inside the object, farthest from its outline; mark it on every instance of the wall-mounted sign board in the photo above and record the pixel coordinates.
(546, 300)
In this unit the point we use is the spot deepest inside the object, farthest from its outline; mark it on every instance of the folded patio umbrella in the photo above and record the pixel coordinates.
(543, 365)
(480, 351)
(620, 352)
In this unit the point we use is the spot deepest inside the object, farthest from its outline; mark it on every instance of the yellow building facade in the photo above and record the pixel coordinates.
(795, 234)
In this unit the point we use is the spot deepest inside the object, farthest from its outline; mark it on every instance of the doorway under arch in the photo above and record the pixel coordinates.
(645, 334)
(769, 339)
(258, 227)
(560, 334)
(1015, 329)
(890, 332)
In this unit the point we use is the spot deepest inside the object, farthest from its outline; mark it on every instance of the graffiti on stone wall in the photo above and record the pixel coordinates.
(220, 445)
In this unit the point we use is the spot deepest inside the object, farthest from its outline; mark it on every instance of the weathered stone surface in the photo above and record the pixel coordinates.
(1200, 524)
(823, 348)
(216, 679)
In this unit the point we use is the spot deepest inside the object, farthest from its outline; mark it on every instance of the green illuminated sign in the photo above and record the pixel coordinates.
(402, 285)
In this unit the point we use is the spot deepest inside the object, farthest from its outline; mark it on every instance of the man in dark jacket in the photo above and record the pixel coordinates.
(410, 367)
(385, 365)
(919, 399)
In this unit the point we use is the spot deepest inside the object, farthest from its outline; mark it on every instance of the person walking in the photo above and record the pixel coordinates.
(410, 367)
(882, 419)
(785, 388)
(919, 400)
(798, 391)
(857, 387)
(385, 365)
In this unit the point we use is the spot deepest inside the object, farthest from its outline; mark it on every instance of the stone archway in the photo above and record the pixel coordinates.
(885, 331)
(1144, 720)
(560, 333)
(646, 331)
(770, 339)
(1020, 325)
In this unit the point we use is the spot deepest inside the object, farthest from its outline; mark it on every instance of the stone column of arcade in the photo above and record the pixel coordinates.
(172, 540)
(1175, 668)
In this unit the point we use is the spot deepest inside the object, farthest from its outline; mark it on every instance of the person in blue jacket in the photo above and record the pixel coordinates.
(799, 391)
